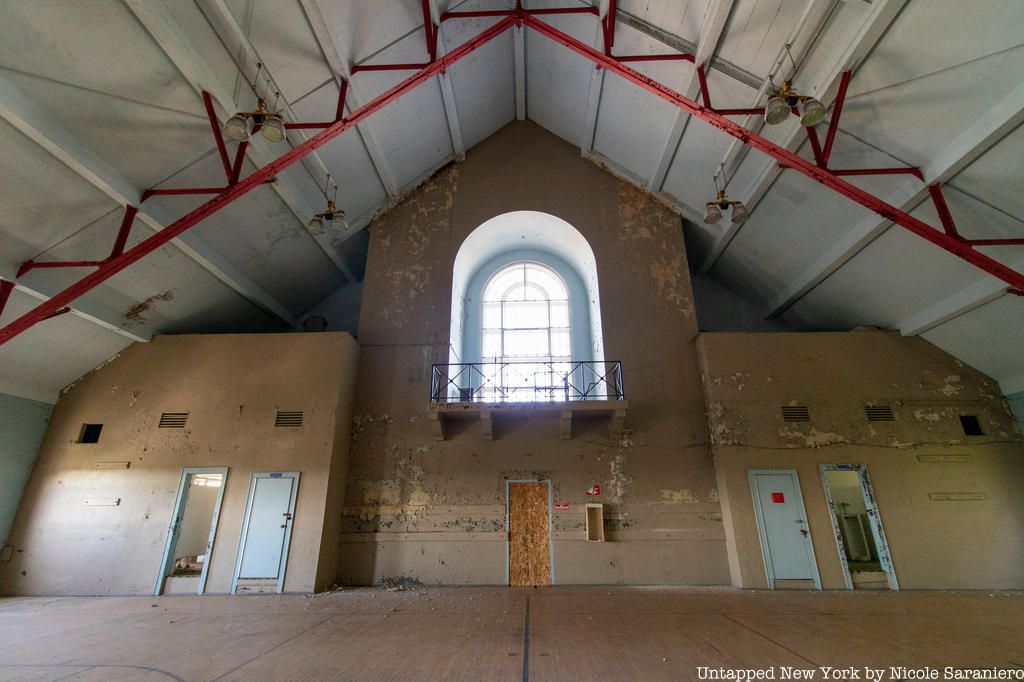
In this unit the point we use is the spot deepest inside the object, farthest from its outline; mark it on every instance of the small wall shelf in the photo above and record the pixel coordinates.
(595, 522)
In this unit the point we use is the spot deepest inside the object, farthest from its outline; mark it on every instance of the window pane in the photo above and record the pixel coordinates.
(503, 280)
(526, 343)
(559, 313)
(526, 314)
(492, 316)
(546, 280)
(560, 342)
(491, 346)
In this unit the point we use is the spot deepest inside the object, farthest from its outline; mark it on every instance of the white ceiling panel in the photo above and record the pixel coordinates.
(989, 339)
(756, 32)
(484, 82)
(996, 178)
(52, 354)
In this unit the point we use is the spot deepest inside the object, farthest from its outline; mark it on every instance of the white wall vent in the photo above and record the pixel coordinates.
(796, 413)
(173, 420)
(879, 413)
(289, 418)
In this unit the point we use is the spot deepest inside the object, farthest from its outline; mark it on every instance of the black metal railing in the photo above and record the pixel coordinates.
(526, 382)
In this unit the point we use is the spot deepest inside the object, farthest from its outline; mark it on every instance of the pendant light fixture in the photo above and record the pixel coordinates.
(783, 99)
(714, 210)
(270, 123)
(331, 218)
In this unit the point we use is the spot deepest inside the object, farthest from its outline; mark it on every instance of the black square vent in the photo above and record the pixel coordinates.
(289, 418)
(173, 420)
(796, 413)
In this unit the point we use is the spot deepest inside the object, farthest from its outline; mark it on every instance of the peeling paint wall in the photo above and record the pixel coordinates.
(435, 511)
(965, 544)
(231, 386)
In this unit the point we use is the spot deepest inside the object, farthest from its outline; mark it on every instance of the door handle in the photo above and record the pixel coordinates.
(287, 515)
(803, 532)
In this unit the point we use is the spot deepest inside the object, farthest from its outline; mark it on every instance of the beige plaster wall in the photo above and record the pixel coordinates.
(232, 386)
(934, 544)
(435, 511)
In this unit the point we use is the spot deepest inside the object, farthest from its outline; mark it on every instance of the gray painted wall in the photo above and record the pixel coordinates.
(22, 424)
(1016, 401)
(720, 309)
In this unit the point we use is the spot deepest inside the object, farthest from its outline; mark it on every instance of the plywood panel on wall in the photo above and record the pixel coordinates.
(529, 555)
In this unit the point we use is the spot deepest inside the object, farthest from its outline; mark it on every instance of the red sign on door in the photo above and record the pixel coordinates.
(778, 498)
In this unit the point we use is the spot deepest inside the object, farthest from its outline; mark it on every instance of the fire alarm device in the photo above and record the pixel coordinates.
(594, 489)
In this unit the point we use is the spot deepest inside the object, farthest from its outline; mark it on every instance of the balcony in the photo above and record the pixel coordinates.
(495, 390)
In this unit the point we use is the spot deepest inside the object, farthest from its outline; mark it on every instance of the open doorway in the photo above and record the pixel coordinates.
(193, 529)
(863, 550)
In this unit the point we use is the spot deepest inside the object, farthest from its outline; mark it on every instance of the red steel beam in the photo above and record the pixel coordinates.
(30, 265)
(236, 168)
(702, 78)
(222, 150)
(124, 231)
(785, 157)
(429, 30)
(5, 293)
(609, 27)
(115, 265)
(812, 137)
(476, 14)
(176, 191)
(564, 10)
(995, 242)
(902, 170)
(339, 111)
(939, 199)
(685, 57)
(837, 111)
(388, 67)
(752, 111)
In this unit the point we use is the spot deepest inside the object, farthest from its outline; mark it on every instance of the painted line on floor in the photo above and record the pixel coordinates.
(526, 641)
(761, 634)
(276, 646)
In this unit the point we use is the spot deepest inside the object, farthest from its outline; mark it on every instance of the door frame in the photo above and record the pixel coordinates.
(762, 533)
(294, 475)
(508, 528)
(173, 530)
(874, 518)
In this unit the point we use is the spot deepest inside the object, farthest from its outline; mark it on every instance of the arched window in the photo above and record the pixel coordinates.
(525, 316)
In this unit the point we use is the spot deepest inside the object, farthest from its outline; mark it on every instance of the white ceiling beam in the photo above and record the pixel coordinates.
(878, 18)
(955, 305)
(519, 59)
(341, 69)
(593, 94)
(447, 89)
(39, 126)
(707, 43)
(178, 47)
(997, 122)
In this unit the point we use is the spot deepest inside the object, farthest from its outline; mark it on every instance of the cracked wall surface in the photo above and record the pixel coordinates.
(922, 451)
(434, 511)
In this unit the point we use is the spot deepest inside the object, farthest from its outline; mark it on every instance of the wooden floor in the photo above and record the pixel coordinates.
(469, 633)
